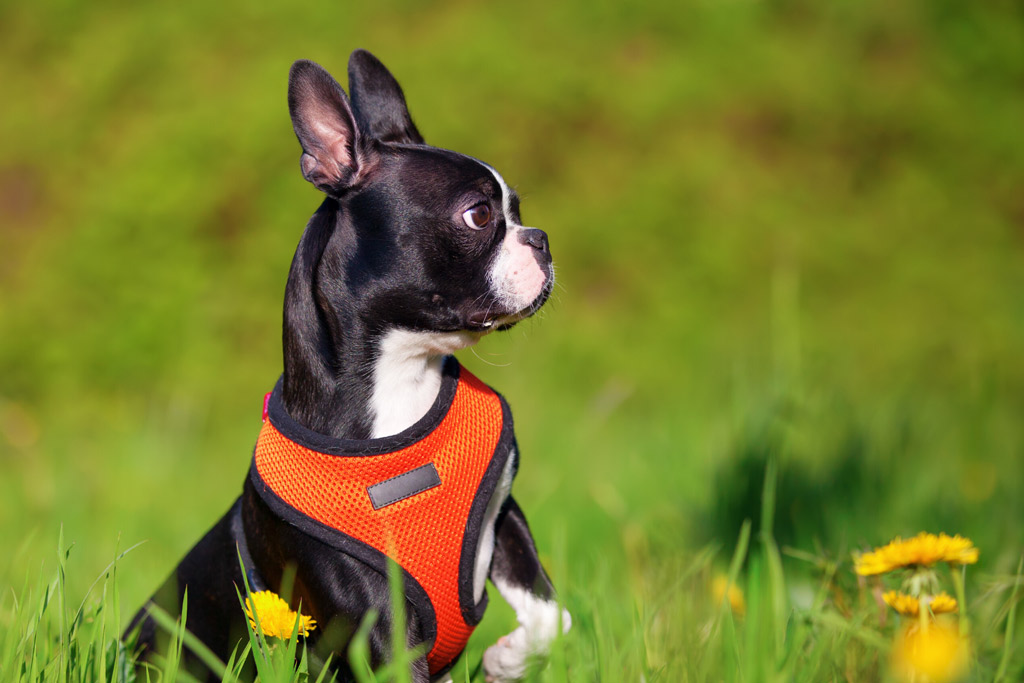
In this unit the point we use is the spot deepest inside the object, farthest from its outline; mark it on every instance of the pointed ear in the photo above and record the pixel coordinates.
(326, 128)
(378, 101)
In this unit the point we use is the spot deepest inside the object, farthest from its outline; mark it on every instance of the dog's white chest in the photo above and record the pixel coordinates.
(407, 376)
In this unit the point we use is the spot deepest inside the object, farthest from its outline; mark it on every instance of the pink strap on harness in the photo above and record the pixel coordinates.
(266, 405)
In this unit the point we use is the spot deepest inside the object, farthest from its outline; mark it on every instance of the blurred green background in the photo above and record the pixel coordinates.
(782, 228)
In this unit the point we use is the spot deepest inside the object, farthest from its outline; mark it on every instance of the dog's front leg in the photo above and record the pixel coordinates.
(519, 577)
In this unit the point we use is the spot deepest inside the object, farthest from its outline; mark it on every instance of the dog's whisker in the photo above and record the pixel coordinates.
(488, 362)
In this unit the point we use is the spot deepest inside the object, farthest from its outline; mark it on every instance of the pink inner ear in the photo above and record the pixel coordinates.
(330, 130)
(339, 150)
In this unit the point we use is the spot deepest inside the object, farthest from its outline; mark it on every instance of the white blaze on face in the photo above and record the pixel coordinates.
(516, 277)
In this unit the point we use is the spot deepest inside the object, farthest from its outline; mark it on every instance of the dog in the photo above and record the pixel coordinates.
(376, 444)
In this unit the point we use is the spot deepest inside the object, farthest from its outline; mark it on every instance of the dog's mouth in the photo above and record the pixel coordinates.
(493, 319)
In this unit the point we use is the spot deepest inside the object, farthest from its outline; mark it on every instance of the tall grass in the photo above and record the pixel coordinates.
(802, 619)
(48, 635)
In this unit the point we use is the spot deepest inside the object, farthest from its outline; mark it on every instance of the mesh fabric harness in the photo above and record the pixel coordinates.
(432, 527)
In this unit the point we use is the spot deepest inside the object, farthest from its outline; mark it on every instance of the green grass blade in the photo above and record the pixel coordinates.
(359, 650)
(189, 640)
(837, 622)
(722, 638)
(399, 647)
(1011, 618)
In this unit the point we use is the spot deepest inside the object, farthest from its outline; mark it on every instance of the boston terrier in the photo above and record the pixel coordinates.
(377, 447)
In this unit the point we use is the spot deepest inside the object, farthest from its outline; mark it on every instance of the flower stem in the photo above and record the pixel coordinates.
(958, 583)
(923, 612)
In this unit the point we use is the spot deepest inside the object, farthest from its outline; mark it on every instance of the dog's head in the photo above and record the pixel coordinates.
(424, 238)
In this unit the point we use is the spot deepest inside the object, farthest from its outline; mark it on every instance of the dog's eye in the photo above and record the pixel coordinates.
(478, 217)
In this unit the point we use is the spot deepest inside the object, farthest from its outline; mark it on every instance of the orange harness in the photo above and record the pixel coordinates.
(418, 498)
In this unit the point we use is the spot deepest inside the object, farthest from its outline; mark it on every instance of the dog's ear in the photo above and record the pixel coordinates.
(378, 101)
(332, 153)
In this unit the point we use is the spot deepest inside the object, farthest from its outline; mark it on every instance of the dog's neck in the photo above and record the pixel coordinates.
(407, 376)
(343, 376)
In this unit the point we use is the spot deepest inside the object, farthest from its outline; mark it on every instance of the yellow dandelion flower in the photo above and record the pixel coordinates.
(909, 606)
(906, 605)
(922, 550)
(276, 619)
(937, 654)
(943, 603)
(735, 597)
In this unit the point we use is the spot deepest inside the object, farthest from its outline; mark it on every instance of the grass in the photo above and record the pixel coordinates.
(49, 636)
(785, 231)
(819, 625)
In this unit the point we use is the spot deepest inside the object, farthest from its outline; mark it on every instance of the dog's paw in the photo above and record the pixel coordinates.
(508, 659)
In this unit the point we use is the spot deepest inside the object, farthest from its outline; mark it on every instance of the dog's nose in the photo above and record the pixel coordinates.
(538, 239)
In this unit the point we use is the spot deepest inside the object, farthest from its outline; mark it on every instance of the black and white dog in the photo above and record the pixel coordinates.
(415, 252)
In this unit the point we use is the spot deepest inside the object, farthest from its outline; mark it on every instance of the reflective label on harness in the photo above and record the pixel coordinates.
(403, 486)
